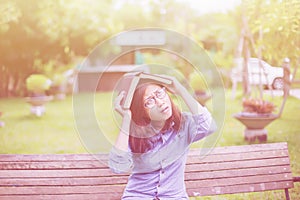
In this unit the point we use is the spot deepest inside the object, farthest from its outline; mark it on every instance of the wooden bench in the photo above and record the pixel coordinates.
(225, 170)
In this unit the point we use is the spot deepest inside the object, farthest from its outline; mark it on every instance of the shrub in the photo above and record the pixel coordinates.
(38, 83)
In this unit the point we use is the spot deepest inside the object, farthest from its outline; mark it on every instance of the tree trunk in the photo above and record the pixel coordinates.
(4, 82)
(246, 85)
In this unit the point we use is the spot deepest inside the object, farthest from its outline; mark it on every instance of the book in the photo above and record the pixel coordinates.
(130, 81)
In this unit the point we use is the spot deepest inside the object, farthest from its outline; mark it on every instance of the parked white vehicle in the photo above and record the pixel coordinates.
(267, 75)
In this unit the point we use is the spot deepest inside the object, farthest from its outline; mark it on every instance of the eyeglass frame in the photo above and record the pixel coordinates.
(154, 97)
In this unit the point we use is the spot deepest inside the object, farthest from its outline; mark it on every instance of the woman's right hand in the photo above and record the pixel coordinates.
(118, 105)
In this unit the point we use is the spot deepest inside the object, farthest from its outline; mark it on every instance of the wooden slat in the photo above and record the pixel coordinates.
(50, 190)
(239, 148)
(93, 164)
(52, 157)
(198, 173)
(81, 180)
(199, 191)
(104, 157)
(239, 180)
(57, 173)
(17, 182)
(31, 165)
(238, 164)
(235, 189)
(89, 161)
(237, 173)
(216, 158)
(212, 151)
(117, 180)
(111, 196)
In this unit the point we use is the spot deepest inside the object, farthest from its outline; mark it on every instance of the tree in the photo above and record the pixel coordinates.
(39, 33)
(280, 25)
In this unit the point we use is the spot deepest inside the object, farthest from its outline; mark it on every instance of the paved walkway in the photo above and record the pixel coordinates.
(295, 93)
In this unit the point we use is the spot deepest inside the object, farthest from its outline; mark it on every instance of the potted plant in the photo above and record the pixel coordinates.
(256, 115)
(199, 86)
(257, 107)
(37, 85)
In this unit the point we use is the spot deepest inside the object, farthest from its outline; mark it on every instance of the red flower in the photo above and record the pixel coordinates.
(258, 106)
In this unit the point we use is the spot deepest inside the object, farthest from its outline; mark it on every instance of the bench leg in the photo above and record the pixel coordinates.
(287, 195)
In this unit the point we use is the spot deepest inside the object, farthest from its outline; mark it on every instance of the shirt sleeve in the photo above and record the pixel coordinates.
(199, 125)
(120, 161)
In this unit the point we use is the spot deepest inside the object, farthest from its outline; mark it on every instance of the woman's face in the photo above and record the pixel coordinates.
(157, 103)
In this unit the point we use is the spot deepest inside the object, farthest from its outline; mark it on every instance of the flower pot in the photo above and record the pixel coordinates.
(37, 104)
(255, 121)
(38, 100)
(255, 124)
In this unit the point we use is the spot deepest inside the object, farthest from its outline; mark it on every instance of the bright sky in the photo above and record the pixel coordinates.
(202, 6)
(205, 6)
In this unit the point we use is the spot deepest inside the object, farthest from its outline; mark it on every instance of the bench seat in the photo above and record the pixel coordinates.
(225, 170)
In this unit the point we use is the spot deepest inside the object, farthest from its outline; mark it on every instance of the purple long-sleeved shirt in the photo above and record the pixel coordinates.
(159, 173)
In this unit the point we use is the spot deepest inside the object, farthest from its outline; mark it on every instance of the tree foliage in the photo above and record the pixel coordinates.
(279, 23)
(41, 36)
(36, 34)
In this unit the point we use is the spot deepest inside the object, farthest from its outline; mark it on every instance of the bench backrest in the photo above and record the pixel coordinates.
(224, 170)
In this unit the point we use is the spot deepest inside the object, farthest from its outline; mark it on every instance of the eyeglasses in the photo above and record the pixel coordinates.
(151, 101)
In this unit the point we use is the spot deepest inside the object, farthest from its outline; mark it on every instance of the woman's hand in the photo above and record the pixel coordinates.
(118, 105)
(122, 139)
(176, 87)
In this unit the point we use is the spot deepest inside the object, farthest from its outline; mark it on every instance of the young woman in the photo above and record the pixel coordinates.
(154, 140)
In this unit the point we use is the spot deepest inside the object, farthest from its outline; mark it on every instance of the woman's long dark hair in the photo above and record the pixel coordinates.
(137, 140)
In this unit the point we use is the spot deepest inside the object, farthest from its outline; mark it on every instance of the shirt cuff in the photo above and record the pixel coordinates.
(120, 161)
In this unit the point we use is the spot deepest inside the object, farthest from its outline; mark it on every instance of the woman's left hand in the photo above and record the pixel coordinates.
(176, 87)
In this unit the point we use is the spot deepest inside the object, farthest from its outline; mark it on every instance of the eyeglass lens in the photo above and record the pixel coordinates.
(159, 94)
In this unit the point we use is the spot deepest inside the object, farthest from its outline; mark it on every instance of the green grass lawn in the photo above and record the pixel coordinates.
(92, 127)
(57, 130)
